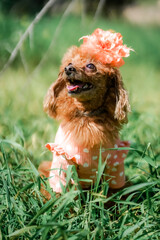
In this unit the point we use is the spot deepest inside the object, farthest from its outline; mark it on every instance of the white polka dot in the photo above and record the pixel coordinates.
(92, 176)
(85, 165)
(108, 156)
(116, 164)
(103, 149)
(121, 174)
(94, 170)
(69, 147)
(115, 156)
(115, 146)
(122, 144)
(94, 157)
(55, 159)
(85, 150)
(77, 156)
(108, 167)
(114, 169)
(114, 182)
(57, 185)
(124, 155)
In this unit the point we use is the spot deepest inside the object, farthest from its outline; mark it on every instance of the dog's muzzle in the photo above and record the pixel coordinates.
(70, 70)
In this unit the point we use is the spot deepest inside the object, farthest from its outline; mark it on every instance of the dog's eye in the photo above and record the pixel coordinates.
(91, 66)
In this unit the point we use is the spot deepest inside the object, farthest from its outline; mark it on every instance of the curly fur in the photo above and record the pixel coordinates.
(95, 116)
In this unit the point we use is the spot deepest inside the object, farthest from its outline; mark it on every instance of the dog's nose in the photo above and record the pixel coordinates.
(69, 69)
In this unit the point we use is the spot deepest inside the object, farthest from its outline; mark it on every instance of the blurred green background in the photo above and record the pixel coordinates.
(24, 83)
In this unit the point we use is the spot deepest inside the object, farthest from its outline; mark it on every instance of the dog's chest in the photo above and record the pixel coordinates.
(85, 158)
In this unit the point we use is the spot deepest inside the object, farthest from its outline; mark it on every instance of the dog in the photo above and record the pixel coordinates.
(90, 101)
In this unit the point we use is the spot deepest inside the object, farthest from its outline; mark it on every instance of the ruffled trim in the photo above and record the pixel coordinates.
(119, 155)
(54, 147)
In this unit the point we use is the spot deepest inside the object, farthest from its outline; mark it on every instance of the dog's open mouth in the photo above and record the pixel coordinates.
(76, 86)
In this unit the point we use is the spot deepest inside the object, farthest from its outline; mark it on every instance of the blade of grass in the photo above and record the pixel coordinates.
(13, 144)
(138, 187)
(101, 167)
(125, 202)
(44, 209)
(21, 231)
(35, 171)
(133, 228)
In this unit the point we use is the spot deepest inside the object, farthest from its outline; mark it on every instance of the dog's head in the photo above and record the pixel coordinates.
(85, 77)
(86, 80)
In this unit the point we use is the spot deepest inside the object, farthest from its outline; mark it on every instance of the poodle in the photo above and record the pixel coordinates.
(90, 101)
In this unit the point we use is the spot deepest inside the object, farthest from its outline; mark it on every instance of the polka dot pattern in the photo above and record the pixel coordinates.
(85, 165)
(94, 158)
(86, 150)
(122, 144)
(121, 174)
(94, 169)
(113, 182)
(92, 176)
(103, 150)
(114, 169)
(58, 185)
(116, 164)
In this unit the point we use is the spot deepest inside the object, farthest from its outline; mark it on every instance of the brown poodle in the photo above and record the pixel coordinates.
(90, 101)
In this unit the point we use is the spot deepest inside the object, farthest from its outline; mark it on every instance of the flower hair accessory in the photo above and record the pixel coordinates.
(106, 46)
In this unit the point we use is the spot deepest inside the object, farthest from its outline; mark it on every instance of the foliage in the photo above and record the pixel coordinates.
(144, 40)
(131, 213)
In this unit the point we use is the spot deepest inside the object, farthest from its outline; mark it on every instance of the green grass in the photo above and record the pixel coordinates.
(24, 130)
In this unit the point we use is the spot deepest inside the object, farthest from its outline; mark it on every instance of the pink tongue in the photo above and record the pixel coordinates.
(73, 87)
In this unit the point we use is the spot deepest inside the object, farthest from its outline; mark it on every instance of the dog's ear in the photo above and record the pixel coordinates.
(50, 101)
(122, 103)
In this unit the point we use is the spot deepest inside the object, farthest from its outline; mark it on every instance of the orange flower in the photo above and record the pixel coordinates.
(106, 46)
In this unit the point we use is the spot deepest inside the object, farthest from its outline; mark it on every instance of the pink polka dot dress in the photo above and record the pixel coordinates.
(86, 160)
